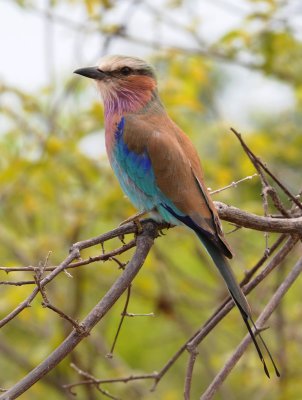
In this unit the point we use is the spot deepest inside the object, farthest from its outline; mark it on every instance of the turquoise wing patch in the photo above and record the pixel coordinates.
(136, 176)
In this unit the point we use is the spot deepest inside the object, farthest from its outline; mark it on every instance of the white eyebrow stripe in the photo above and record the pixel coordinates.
(113, 63)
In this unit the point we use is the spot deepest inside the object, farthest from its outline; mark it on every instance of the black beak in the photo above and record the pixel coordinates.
(91, 72)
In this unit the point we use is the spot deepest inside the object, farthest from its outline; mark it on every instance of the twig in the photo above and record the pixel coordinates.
(151, 314)
(26, 303)
(91, 381)
(83, 373)
(226, 213)
(90, 260)
(204, 331)
(199, 335)
(276, 260)
(74, 254)
(189, 374)
(106, 393)
(294, 225)
(267, 189)
(144, 243)
(233, 184)
(109, 355)
(46, 303)
(126, 379)
(217, 316)
(120, 264)
(253, 221)
(18, 283)
(74, 323)
(260, 163)
(264, 316)
(280, 328)
(75, 337)
(252, 271)
(38, 278)
(220, 313)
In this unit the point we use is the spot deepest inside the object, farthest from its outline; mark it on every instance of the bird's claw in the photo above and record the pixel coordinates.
(139, 227)
(134, 218)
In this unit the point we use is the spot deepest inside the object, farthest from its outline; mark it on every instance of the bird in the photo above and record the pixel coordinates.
(158, 166)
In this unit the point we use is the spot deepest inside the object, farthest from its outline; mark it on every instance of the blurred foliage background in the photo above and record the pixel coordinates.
(56, 187)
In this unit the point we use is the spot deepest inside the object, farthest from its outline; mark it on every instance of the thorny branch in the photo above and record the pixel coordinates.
(266, 313)
(226, 213)
(196, 337)
(121, 321)
(91, 379)
(233, 184)
(201, 333)
(144, 243)
(259, 165)
(289, 226)
(73, 255)
(75, 337)
(267, 189)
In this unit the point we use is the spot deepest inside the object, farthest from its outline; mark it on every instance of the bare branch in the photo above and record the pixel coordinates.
(17, 283)
(240, 218)
(226, 213)
(258, 163)
(74, 323)
(121, 321)
(212, 322)
(192, 343)
(264, 316)
(189, 374)
(74, 254)
(233, 184)
(222, 311)
(151, 314)
(253, 221)
(90, 260)
(144, 243)
(126, 379)
(251, 272)
(91, 380)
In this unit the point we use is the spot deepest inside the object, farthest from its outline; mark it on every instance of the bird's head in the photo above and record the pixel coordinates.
(126, 84)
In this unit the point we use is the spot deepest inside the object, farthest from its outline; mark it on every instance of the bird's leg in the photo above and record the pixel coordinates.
(135, 218)
(160, 231)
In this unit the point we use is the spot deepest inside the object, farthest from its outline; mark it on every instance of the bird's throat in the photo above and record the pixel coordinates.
(129, 96)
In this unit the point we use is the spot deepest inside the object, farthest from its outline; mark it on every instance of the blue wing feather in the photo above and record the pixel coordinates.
(136, 176)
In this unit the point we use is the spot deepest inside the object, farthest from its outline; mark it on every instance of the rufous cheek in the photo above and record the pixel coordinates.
(140, 83)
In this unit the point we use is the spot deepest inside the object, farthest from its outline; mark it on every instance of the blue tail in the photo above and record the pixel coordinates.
(237, 295)
(218, 252)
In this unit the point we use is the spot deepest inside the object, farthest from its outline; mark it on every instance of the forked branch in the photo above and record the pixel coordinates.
(144, 242)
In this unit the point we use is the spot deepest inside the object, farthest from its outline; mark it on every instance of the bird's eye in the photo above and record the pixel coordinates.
(126, 71)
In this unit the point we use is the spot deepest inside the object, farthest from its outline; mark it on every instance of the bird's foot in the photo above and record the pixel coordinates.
(136, 220)
(161, 229)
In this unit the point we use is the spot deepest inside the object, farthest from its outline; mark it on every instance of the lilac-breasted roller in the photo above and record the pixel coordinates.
(157, 165)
